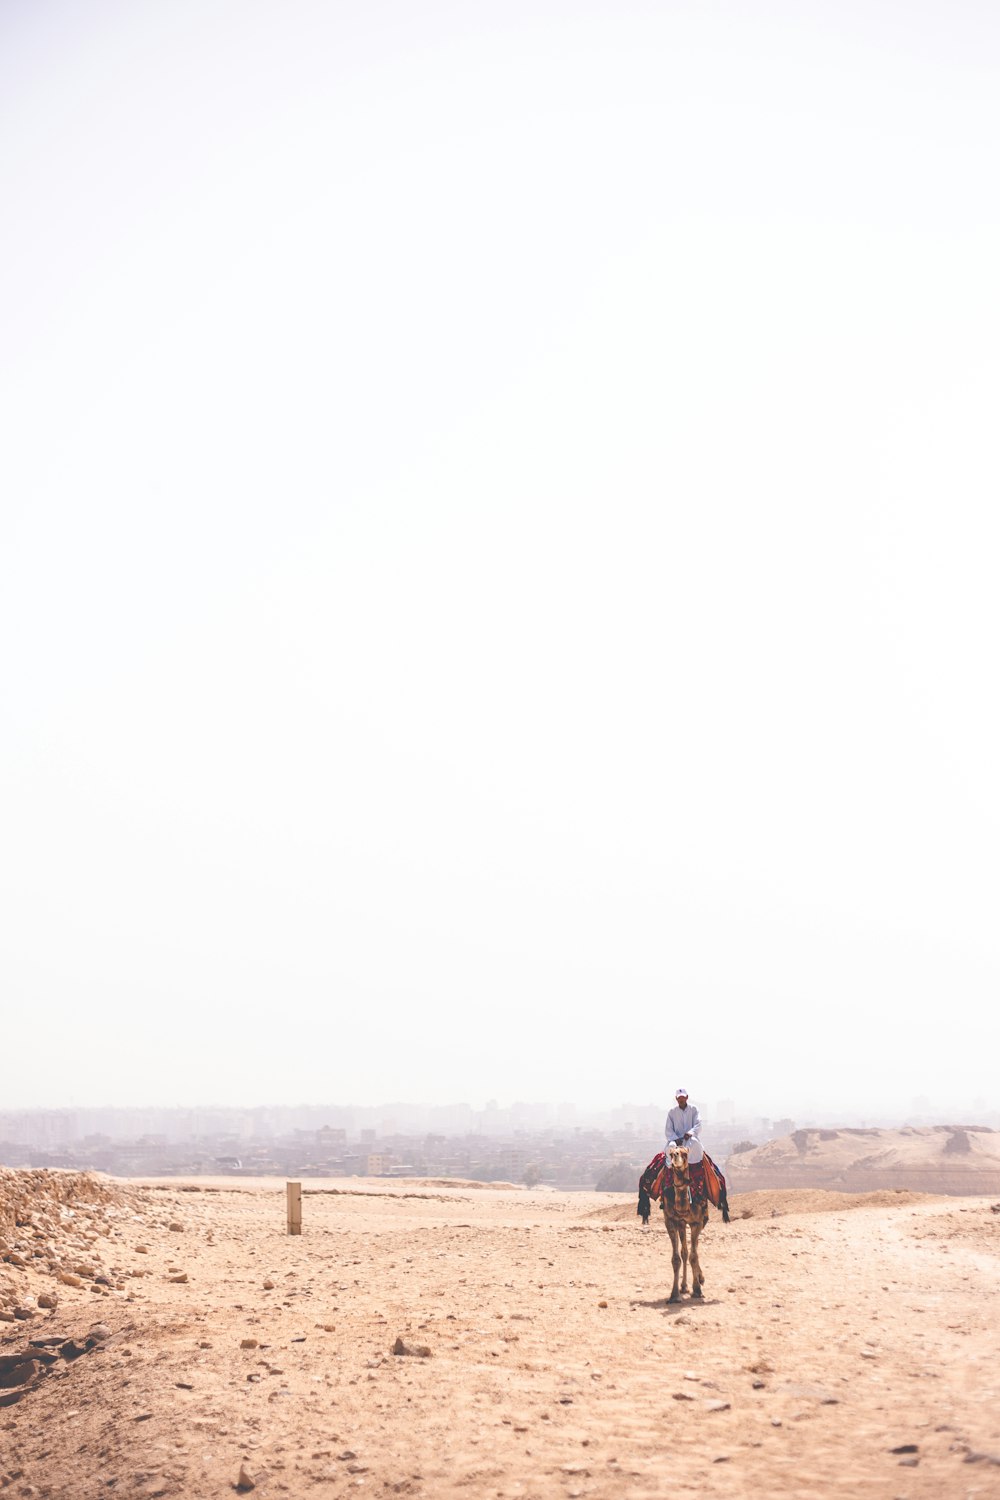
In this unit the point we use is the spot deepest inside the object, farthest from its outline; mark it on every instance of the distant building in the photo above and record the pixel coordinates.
(510, 1162)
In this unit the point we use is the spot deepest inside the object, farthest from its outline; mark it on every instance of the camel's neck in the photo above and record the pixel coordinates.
(682, 1191)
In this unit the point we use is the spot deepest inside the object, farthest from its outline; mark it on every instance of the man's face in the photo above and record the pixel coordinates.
(682, 1100)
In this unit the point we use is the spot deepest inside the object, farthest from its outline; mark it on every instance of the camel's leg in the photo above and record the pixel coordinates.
(697, 1279)
(675, 1258)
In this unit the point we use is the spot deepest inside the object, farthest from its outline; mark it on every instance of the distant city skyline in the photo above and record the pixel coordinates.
(532, 1145)
(459, 1117)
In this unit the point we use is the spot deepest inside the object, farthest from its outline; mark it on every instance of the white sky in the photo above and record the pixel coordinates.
(499, 550)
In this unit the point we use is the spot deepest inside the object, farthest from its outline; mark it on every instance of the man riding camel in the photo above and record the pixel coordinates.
(683, 1125)
(683, 1129)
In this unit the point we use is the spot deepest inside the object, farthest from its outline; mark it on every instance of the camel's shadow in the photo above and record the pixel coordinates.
(682, 1305)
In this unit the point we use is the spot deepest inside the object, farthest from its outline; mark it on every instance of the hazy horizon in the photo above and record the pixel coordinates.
(499, 534)
(548, 1113)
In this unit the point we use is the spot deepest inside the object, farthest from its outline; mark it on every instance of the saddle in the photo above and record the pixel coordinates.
(706, 1182)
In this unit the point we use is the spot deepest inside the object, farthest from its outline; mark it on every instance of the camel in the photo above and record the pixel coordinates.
(682, 1217)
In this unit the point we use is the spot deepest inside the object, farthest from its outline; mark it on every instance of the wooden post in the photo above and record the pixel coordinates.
(293, 1192)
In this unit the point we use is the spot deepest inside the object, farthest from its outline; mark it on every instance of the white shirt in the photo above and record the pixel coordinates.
(682, 1122)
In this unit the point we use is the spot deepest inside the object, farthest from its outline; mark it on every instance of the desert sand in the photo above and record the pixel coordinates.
(428, 1340)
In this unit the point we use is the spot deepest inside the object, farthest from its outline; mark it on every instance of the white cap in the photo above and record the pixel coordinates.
(681, 1093)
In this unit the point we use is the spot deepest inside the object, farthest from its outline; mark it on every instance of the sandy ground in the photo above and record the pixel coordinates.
(846, 1346)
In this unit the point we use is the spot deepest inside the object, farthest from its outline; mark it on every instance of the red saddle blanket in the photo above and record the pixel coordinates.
(651, 1181)
(706, 1182)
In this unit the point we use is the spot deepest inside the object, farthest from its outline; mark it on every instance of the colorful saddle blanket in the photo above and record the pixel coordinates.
(651, 1181)
(706, 1182)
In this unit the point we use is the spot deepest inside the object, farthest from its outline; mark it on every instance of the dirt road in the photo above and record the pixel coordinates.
(846, 1351)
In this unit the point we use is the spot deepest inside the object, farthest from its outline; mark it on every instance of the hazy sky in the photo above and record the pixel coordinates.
(499, 551)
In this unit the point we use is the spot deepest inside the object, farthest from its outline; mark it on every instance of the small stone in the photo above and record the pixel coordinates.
(182, 1277)
(245, 1481)
(602, 1304)
(48, 1299)
(416, 1351)
(248, 1343)
(24, 1313)
(142, 1249)
(23, 1374)
(810, 1392)
(100, 1331)
(269, 1285)
(758, 1385)
(905, 1448)
(716, 1405)
(68, 1278)
(909, 1463)
(682, 1396)
(775, 1421)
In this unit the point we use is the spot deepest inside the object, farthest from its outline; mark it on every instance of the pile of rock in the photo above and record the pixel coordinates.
(58, 1225)
(22, 1371)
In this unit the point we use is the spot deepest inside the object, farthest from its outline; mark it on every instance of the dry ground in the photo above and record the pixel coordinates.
(846, 1347)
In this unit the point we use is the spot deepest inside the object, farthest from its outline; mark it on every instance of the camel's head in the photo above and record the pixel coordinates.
(680, 1191)
(678, 1157)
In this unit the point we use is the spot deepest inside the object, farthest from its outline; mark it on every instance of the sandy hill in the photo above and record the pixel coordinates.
(953, 1159)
